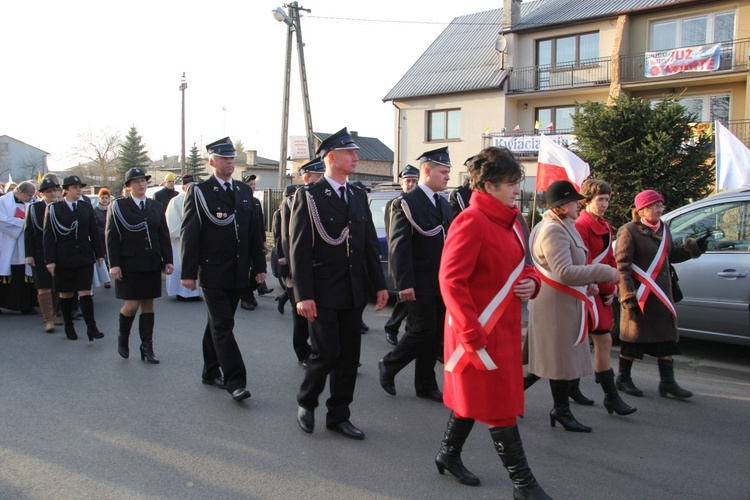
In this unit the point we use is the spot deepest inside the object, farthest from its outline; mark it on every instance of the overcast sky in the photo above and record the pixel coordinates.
(78, 65)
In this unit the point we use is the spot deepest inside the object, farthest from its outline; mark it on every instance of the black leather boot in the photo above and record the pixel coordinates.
(667, 384)
(612, 400)
(624, 382)
(66, 308)
(528, 380)
(87, 311)
(561, 412)
(449, 456)
(508, 445)
(574, 393)
(146, 330)
(263, 289)
(126, 322)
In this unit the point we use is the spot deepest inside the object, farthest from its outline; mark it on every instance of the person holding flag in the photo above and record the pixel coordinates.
(484, 278)
(648, 320)
(559, 350)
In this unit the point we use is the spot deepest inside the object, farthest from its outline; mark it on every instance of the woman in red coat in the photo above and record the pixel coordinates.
(483, 280)
(597, 235)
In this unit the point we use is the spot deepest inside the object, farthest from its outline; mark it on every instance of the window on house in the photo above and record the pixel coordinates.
(689, 31)
(444, 125)
(705, 108)
(567, 51)
(561, 117)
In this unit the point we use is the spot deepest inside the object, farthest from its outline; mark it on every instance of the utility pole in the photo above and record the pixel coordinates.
(183, 86)
(292, 21)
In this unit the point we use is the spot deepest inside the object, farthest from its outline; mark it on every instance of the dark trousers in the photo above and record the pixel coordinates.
(335, 337)
(220, 350)
(424, 327)
(397, 316)
(300, 330)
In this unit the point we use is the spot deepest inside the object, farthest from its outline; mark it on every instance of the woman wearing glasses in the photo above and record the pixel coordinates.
(648, 323)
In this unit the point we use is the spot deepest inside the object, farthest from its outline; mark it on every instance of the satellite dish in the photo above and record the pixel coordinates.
(501, 43)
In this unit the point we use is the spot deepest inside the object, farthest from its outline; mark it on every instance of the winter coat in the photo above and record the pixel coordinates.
(479, 255)
(596, 234)
(555, 316)
(637, 244)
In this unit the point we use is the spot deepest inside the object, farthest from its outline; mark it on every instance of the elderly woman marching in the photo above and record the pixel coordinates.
(139, 248)
(648, 322)
(71, 246)
(559, 317)
(483, 280)
(33, 231)
(597, 236)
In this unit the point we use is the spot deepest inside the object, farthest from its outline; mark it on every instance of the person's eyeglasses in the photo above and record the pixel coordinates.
(657, 207)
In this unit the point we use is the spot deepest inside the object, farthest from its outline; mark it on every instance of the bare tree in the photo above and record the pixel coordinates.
(98, 153)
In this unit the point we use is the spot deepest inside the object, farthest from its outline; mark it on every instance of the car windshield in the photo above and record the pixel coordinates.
(377, 207)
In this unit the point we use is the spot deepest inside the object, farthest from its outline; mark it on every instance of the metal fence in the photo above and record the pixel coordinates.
(583, 73)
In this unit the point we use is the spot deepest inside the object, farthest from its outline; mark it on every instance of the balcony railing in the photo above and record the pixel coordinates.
(585, 73)
(733, 58)
(741, 129)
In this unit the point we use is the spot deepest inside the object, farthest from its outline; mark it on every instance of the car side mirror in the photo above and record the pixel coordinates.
(718, 235)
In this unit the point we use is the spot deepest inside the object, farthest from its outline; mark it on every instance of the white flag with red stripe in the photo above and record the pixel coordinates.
(557, 163)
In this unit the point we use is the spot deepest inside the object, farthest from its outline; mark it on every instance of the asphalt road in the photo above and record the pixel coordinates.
(80, 422)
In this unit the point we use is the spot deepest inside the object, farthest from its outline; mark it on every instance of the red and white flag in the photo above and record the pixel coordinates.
(732, 160)
(557, 163)
(517, 129)
(551, 126)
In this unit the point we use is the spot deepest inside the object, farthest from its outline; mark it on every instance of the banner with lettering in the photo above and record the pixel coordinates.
(682, 60)
(531, 143)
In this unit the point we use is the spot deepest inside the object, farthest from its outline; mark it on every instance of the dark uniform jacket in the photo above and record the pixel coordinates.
(334, 276)
(33, 232)
(221, 256)
(77, 248)
(414, 257)
(286, 213)
(138, 251)
(460, 199)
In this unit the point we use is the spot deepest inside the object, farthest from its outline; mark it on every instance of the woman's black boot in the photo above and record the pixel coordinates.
(624, 382)
(126, 322)
(87, 311)
(574, 393)
(508, 445)
(449, 456)
(282, 299)
(667, 384)
(612, 400)
(66, 308)
(561, 412)
(146, 330)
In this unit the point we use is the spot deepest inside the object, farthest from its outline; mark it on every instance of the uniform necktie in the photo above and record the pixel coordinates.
(227, 187)
(342, 190)
(437, 204)
(74, 206)
(142, 205)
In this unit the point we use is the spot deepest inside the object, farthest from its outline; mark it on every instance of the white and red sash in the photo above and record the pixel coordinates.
(589, 313)
(461, 358)
(647, 278)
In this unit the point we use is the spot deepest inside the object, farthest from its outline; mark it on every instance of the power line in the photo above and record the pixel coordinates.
(398, 22)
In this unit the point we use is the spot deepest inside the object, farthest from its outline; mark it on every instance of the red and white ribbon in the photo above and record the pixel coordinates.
(489, 317)
(647, 278)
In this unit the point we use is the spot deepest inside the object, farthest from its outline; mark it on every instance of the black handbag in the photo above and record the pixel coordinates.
(676, 291)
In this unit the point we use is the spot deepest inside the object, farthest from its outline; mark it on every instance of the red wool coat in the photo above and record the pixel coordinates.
(597, 235)
(480, 253)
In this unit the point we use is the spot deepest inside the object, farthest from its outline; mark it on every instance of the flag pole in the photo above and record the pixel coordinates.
(533, 210)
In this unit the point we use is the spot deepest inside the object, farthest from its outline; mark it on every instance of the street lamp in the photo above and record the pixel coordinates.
(292, 21)
(183, 86)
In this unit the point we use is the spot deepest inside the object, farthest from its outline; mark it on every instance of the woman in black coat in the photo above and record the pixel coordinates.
(138, 247)
(33, 236)
(71, 246)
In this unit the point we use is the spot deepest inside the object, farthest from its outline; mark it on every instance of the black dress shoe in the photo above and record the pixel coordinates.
(347, 429)
(386, 381)
(216, 382)
(364, 326)
(306, 419)
(248, 306)
(302, 363)
(240, 394)
(263, 289)
(391, 338)
(434, 395)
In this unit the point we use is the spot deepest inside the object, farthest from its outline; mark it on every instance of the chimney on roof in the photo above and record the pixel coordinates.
(164, 158)
(511, 14)
(354, 133)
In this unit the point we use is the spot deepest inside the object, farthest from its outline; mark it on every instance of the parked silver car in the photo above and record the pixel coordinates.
(716, 287)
